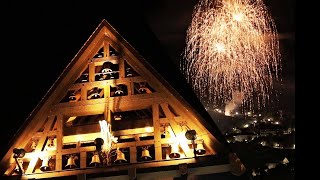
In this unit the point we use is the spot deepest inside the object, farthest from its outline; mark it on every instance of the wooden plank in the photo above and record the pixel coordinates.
(138, 143)
(80, 137)
(96, 106)
(157, 133)
(100, 61)
(80, 103)
(49, 133)
(81, 110)
(154, 164)
(136, 102)
(133, 131)
(91, 136)
(178, 119)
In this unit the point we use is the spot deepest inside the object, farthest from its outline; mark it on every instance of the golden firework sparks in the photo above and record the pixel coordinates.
(232, 46)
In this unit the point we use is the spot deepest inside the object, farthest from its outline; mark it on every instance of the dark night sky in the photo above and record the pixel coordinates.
(41, 38)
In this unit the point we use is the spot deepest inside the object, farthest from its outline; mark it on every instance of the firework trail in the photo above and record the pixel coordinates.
(232, 46)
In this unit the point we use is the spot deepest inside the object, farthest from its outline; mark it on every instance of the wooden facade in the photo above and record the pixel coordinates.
(108, 80)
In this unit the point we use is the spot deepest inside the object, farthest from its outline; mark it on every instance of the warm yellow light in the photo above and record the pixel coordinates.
(33, 155)
(175, 148)
(148, 129)
(175, 153)
(179, 139)
(107, 136)
(71, 119)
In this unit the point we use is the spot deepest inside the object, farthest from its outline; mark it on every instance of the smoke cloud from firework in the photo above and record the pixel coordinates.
(237, 98)
(232, 46)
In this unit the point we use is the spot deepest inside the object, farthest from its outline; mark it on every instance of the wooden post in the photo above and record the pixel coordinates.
(59, 142)
(157, 134)
(121, 67)
(106, 48)
(83, 93)
(106, 89)
(133, 154)
(83, 159)
(92, 72)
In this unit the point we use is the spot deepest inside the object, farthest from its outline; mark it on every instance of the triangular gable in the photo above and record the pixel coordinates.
(108, 80)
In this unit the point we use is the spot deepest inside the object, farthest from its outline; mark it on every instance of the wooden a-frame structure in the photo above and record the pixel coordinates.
(109, 80)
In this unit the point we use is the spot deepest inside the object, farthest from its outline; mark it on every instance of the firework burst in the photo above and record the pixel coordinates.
(231, 46)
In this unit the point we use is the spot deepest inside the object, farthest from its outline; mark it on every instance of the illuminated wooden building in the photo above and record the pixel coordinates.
(111, 114)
